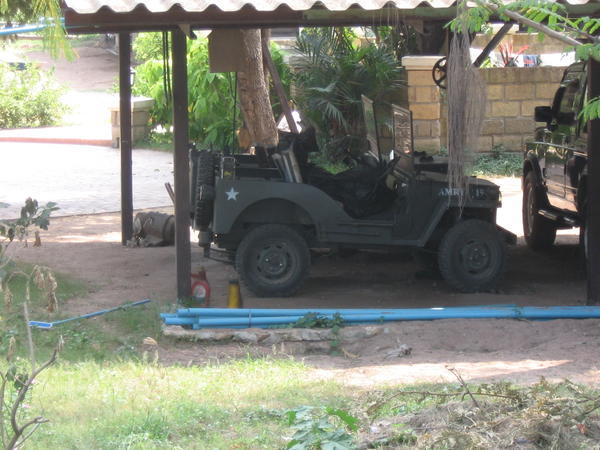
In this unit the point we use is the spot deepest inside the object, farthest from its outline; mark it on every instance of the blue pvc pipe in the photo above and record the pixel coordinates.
(38, 324)
(263, 312)
(526, 312)
(25, 28)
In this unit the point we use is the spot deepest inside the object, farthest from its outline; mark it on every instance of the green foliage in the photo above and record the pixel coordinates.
(321, 428)
(147, 46)
(19, 11)
(498, 163)
(333, 70)
(315, 320)
(210, 95)
(401, 39)
(34, 11)
(586, 51)
(473, 19)
(591, 109)
(28, 98)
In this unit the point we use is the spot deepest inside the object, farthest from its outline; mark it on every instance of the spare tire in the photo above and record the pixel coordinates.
(204, 189)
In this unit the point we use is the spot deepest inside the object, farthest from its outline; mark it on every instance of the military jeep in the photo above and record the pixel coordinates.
(270, 209)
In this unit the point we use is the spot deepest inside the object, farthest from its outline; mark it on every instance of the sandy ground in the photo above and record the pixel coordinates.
(88, 247)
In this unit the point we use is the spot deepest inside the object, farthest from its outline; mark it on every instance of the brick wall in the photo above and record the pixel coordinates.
(512, 95)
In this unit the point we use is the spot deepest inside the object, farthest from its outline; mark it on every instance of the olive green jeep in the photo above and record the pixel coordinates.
(269, 209)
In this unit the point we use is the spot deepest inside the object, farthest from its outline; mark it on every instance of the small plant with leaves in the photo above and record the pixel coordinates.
(315, 320)
(321, 427)
(19, 230)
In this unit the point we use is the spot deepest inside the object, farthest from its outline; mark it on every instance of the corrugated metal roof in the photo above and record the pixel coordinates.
(161, 6)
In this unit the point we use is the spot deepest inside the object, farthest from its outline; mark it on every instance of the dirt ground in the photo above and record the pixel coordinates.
(88, 247)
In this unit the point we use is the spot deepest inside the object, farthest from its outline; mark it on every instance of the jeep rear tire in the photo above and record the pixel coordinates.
(273, 260)
(539, 232)
(472, 256)
(205, 191)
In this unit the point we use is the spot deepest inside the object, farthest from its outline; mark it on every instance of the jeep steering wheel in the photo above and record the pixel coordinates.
(439, 73)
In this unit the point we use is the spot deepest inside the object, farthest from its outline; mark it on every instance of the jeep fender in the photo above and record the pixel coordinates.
(235, 199)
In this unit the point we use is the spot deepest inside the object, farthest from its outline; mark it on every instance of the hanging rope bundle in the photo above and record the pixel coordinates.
(466, 110)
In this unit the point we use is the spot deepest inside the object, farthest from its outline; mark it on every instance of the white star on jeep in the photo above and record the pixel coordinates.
(231, 194)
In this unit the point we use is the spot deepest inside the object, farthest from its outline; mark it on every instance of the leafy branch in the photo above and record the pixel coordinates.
(547, 17)
(16, 436)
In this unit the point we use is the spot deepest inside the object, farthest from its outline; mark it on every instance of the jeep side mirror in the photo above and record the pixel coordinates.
(543, 114)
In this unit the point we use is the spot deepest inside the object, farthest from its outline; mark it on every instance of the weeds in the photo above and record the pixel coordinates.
(545, 415)
(321, 428)
(498, 163)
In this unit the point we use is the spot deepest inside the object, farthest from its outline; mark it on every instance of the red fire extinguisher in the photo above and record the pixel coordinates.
(200, 289)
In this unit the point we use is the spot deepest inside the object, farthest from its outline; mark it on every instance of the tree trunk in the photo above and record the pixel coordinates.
(254, 93)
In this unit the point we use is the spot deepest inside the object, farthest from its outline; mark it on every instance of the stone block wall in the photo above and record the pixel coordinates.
(512, 95)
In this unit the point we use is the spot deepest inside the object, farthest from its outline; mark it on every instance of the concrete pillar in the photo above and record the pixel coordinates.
(140, 115)
(425, 102)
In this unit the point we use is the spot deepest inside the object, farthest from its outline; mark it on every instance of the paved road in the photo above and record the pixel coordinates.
(81, 179)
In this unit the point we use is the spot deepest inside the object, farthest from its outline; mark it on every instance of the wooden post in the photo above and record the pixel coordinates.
(181, 164)
(285, 106)
(593, 189)
(125, 143)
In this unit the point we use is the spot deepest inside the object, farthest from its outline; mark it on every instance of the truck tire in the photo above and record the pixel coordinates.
(205, 190)
(472, 256)
(273, 260)
(539, 232)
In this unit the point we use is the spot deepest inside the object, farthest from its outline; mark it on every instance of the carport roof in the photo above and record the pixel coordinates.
(157, 6)
(132, 15)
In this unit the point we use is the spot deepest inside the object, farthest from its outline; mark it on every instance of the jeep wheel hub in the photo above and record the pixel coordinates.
(475, 256)
(274, 261)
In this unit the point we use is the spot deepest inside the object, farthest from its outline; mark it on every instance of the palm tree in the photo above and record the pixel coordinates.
(331, 74)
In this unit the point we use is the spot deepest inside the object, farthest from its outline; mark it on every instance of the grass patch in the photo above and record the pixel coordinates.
(162, 142)
(115, 335)
(136, 405)
(246, 404)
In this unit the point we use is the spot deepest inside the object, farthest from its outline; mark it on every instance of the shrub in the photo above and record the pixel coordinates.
(499, 163)
(28, 98)
(210, 95)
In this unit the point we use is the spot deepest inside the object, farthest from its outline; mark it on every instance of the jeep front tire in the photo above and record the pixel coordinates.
(273, 260)
(472, 256)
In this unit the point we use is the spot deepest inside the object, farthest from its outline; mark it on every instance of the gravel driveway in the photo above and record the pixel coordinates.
(81, 179)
